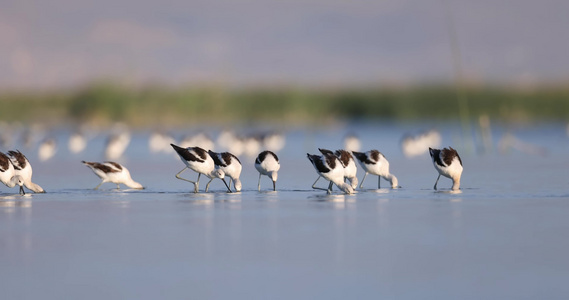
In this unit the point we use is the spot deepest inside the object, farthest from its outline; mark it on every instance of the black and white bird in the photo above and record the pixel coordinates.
(448, 163)
(198, 160)
(374, 162)
(23, 168)
(329, 166)
(347, 160)
(230, 165)
(8, 173)
(113, 172)
(267, 163)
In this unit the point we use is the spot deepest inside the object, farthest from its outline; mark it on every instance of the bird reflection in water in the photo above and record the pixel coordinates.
(199, 199)
(8, 205)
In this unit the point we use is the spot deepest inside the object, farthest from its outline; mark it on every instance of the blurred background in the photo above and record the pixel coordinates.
(122, 79)
(174, 65)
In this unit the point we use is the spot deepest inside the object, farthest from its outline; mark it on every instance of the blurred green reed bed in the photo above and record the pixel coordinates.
(101, 104)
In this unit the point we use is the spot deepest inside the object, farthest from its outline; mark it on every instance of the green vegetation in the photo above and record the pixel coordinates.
(105, 103)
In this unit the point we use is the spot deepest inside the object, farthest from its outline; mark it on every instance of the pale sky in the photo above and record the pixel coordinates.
(59, 43)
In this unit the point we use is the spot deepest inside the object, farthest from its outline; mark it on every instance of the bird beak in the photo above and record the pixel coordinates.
(22, 192)
(226, 185)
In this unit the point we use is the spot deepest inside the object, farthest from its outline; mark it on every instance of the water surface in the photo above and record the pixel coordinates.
(501, 237)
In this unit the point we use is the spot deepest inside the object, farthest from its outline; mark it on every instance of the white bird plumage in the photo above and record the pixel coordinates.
(230, 165)
(267, 163)
(198, 160)
(347, 161)
(23, 168)
(329, 166)
(113, 172)
(8, 173)
(374, 162)
(447, 163)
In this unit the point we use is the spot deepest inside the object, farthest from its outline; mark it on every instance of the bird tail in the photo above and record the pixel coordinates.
(177, 148)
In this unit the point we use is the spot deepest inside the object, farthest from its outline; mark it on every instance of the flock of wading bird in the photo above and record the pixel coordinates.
(338, 167)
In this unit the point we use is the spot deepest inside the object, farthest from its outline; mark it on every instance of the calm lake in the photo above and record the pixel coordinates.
(503, 236)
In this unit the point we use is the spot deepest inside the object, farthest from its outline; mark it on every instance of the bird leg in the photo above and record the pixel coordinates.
(97, 187)
(330, 188)
(437, 181)
(259, 184)
(196, 183)
(318, 188)
(313, 185)
(361, 183)
(207, 185)
(378, 181)
(22, 192)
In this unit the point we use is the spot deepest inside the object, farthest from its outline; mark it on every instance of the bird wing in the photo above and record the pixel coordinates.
(18, 159)
(4, 162)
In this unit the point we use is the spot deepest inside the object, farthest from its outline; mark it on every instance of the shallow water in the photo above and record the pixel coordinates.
(502, 236)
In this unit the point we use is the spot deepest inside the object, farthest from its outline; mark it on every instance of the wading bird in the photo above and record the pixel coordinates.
(198, 160)
(448, 163)
(373, 162)
(113, 172)
(267, 163)
(23, 168)
(329, 166)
